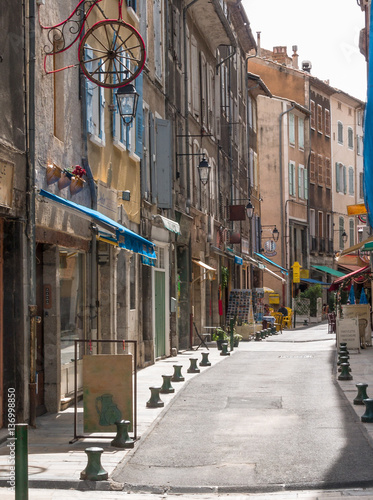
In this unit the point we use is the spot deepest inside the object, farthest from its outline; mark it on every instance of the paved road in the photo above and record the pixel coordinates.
(268, 417)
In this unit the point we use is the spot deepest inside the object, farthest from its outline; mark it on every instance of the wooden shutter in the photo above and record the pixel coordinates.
(164, 162)
(312, 167)
(313, 115)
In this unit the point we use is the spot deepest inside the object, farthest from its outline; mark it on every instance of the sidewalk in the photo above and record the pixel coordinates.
(56, 464)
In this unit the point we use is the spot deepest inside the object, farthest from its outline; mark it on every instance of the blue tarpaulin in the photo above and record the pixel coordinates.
(368, 132)
(123, 237)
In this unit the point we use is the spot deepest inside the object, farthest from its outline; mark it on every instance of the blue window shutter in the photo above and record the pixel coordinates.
(139, 117)
(164, 162)
(305, 184)
(89, 91)
(337, 179)
(153, 176)
(344, 180)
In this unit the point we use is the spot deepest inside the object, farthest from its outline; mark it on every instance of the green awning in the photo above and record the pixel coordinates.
(329, 270)
(368, 247)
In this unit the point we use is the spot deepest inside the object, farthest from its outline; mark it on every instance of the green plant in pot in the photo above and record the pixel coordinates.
(236, 339)
(220, 336)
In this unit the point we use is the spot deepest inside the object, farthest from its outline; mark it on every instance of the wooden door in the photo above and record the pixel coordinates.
(160, 313)
(42, 296)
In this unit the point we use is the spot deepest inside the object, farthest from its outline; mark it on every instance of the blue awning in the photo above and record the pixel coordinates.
(238, 260)
(283, 270)
(315, 282)
(118, 234)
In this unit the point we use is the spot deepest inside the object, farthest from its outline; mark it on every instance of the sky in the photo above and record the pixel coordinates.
(325, 31)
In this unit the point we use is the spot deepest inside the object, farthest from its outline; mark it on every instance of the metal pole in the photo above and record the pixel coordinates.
(21, 462)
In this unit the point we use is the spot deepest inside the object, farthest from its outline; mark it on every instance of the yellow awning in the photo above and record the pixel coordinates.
(356, 247)
(202, 264)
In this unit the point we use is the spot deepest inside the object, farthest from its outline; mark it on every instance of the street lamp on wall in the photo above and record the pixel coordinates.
(127, 99)
(249, 210)
(275, 232)
(204, 170)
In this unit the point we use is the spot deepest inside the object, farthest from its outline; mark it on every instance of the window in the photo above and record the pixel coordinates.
(302, 182)
(319, 118)
(341, 231)
(196, 79)
(340, 133)
(121, 131)
(312, 223)
(361, 185)
(95, 101)
(291, 178)
(327, 122)
(359, 117)
(350, 181)
(359, 145)
(320, 171)
(254, 114)
(313, 115)
(291, 129)
(352, 232)
(312, 167)
(328, 173)
(256, 171)
(340, 178)
(300, 133)
(350, 137)
(321, 224)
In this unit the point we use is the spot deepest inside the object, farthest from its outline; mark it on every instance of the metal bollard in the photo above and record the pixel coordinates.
(21, 461)
(122, 439)
(177, 377)
(345, 373)
(193, 366)
(361, 394)
(257, 337)
(344, 359)
(205, 359)
(166, 386)
(154, 401)
(224, 349)
(94, 470)
(368, 415)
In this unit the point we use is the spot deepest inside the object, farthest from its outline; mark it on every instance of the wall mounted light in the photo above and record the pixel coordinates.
(127, 99)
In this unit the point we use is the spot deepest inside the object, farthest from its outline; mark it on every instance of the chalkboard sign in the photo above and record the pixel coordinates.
(348, 331)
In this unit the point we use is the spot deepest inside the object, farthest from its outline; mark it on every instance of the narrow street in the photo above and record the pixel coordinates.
(268, 417)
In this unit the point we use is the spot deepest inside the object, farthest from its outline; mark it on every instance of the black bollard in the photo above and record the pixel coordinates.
(224, 349)
(257, 337)
(193, 366)
(361, 394)
(177, 377)
(122, 439)
(94, 470)
(345, 373)
(154, 401)
(205, 359)
(166, 386)
(368, 415)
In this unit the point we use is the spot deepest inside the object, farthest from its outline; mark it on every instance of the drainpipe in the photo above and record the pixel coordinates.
(31, 195)
(93, 306)
(186, 102)
(282, 203)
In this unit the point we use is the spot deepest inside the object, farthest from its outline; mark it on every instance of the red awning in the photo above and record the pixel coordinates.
(338, 282)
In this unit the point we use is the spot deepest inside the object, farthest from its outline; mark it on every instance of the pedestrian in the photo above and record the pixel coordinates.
(283, 310)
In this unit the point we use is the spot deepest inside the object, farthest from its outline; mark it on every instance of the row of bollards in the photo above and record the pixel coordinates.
(166, 388)
(94, 470)
(266, 332)
(345, 374)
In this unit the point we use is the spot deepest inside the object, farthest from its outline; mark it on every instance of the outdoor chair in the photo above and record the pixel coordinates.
(332, 324)
(287, 320)
(278, 321)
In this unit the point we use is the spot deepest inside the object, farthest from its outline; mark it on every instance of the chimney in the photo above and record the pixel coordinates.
(295, 57)
(258, 43)
(307, 66)
(280, 54)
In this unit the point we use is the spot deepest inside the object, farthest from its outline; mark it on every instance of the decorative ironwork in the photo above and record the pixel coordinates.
(117, 50)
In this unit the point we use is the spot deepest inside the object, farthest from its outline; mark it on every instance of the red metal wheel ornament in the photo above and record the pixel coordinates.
(112, 53)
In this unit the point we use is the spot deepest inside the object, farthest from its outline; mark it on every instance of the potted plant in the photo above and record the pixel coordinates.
(220, 336)
(54, 173)
(236, 338)
(66, 177)
(77, 181)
